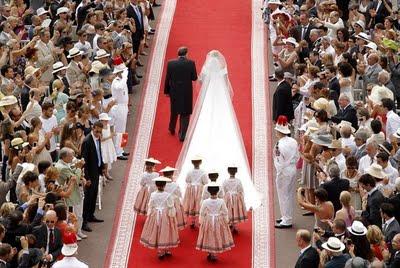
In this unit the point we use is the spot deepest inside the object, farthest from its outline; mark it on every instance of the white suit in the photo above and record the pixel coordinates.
(70, 262)
(285, 158)
(119, 112)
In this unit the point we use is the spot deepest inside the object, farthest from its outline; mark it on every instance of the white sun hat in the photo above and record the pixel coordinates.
(41, 11)
(104, 117)
(333, 244)
(152, 160)
(8, 100)
(274, 2)
(58, 66)
(357, 228)
(372, 46)
(119, 68)
(360, 23)
(196, 157)
(101, 53)
(213, 184)
(168, 169)
(380, 92)
(291, 40)
(162, 178)
(62, 10)
(376, 171)
(73, 52)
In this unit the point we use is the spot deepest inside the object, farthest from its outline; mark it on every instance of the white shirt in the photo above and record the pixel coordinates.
(47, 125)
(392, 124)
(70, 262)
(95, 46)
(391, 173)
(85, 47)
(285, 154)
(365, 162)
(341, 161)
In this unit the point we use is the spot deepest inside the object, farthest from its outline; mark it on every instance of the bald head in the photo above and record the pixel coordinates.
(372, 59)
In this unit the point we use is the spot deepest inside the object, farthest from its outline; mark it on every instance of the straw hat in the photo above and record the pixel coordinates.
(168, 169)
(274, 2)
(360, 23)
(322, 139)
(335, 144)
(162, 178)
(321, 104)
(30, 70)
(375, 170)
(104, 117)
(41, 11)
(197, 157)
(97, 66)
(364, 37)
(357, 228)
(372, 46)
(73, 52)
(59, 66)
(333, 244)
(152, 160)
(380, 92)
(8, 100)
(291, 40)
(345, 123)
(101, 53)
(62, 10)
(17, 142)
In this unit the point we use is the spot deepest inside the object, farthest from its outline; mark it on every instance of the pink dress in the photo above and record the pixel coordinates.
(195, 179)
(214, 235)
(205, 195)
(160, 229)
(175, 191)
(234, 200)
(143, 196)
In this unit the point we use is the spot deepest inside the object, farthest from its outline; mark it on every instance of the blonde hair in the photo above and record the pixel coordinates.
(374, 235)
(57, 84)
(6, 209)
(51, 173)
(345, 198)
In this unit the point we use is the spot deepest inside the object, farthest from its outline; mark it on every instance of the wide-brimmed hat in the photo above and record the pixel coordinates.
(372, 46)
(97, 66)
(152, 160)
(360, 23)
(274, 2)
(162, 178)
(380, 92)
(280, 12)
(62, 10)
(232, 165)
(73, 52)
(357, 228)
(41, 11)
(213, 184)
(70, 244)
(322, 139)
(386, 150)
(168, 169)
(321, 104)
(119, 68)
(30, 70)
(335, 144)
(196, 157)
(17, 142)
(364, 37)
(376, 171)
(334, 244)
(8, 100)
(104, 117)
(213, 171)
(58, 66)
(291, 40)
(101, 53)
(345, 123)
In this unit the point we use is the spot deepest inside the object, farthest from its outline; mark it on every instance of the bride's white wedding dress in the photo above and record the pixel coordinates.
(214, 132)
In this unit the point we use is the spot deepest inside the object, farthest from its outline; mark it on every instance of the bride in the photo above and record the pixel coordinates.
(214, 132)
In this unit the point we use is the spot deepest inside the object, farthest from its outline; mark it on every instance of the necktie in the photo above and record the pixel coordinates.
(51, 238)
(138, 15)
(303, 32)
(98, 153)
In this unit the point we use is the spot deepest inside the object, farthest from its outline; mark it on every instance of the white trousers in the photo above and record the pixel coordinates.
(78, 211)
(286, 189)
(120, 116)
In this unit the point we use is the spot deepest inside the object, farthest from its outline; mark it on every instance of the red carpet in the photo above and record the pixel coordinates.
(224, 25)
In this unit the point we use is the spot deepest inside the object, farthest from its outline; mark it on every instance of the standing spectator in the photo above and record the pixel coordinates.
(93, 169)
(390, 225)
(371, 213)
(309, 257)
(69, 250)
(334, 256)
(346, 112)
(282, 99)
(50, 125)
(393, 119)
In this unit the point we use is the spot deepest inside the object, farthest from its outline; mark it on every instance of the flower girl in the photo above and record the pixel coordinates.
(107, 144)
(214, 236)
(234, 199)
(148, 186)
(160, 229)
(174, 189)
(213, 176)
(195, 179)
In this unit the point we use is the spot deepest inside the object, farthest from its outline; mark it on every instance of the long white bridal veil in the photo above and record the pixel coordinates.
(214, 132)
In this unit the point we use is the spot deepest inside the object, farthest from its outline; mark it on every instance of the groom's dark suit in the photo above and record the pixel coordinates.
(178, 86)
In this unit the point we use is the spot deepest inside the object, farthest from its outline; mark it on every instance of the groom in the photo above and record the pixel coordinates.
(178, 86)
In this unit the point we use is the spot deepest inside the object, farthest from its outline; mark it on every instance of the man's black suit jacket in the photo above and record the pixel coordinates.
(334, 187)
(282, 101)
(92, 169)
(372, 212)
(178, 85)
(349, 114)
(309, 259)
(40, 233)
(139, 34)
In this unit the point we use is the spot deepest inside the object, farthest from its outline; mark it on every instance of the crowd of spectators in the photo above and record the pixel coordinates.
(67, 69)
(337, 64)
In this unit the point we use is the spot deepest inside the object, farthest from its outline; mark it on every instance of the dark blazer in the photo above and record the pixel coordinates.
(82, 13)
(395, 263)
(309, 259)
(40, 233)
(389, 232)
(334, 85)
(298, 30)
(381, 13)
(92, 169)
(24, 97)
(348, 114)
(334, 187)
(178, 84)
(282, 101)
(395, 201)
(139, 34)
(337, 261)
(372, 212)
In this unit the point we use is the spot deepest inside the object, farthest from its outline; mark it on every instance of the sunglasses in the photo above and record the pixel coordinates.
(50, 222)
